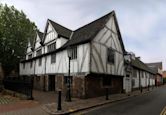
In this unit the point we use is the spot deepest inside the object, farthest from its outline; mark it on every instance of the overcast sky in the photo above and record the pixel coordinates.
(142, 22)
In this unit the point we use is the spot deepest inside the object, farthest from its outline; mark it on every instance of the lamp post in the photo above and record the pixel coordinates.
(68, 93)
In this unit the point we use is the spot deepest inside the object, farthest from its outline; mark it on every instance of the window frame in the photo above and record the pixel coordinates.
(40, 62)
(23, 65)
(39, 52)
(53, 58)
(66, 78)
(51, 47)
(30, 56)
(31, 64)
(74, 53)
(111, 61)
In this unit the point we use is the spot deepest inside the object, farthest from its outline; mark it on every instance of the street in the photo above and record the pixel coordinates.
(148, 104)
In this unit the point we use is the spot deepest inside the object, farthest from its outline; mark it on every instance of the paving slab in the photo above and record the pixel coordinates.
(82, 104)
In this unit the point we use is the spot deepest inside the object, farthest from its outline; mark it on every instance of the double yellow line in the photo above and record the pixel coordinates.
(163, 112)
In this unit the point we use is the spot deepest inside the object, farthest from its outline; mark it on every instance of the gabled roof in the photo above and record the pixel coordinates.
(83, 34)
(139, 64)
(61, 30)
(155, 64)
(40, 35)
(29, 44)
(88, 32)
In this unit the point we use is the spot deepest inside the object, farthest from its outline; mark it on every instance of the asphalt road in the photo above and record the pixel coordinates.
(148, 104)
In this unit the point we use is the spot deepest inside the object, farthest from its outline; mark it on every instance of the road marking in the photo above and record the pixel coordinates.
(163, 112)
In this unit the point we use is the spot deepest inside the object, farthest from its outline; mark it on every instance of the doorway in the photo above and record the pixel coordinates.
(51, 82)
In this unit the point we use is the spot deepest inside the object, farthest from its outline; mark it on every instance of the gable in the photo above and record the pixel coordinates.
(29, 48)
(37, 42)
(92, 30)
(88, 32)
(115, 38)
(110, 35)
(50, 33)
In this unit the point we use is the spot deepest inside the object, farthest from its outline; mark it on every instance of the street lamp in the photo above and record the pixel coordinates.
(68, 93)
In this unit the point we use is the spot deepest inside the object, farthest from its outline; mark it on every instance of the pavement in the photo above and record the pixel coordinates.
(7, 99)
(15, 107)
(82, 104)
(163, 112)
(45, 103)
(152, 103)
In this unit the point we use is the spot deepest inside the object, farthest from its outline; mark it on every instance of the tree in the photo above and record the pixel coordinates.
(15, 30)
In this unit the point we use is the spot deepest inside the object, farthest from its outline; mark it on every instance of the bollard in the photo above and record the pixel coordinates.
(107, 94)
(59, 107)
(141, 89)
(148, 87)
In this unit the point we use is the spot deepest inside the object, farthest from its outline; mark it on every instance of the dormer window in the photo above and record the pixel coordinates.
(38, 52)
(51, 47)
(29, 56)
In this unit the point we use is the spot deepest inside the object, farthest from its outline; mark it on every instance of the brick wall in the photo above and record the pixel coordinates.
(94, 87)
(59, 82)
(39, 82)
(78, 86)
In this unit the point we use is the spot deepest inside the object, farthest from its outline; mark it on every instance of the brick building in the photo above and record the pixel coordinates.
(157, 67)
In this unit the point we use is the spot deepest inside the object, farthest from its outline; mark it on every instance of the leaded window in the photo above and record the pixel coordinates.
(38, 52)
(74, 53)
(53, 58)
(23, 65)
(29, 56)
(51, 47)
(110, 56)
(40, 61)
(31, 64)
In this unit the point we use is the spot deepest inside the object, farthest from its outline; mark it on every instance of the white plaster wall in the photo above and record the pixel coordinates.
(27, 70)
(51, 34)
(81, 64)
(107, 38)
(40, 70)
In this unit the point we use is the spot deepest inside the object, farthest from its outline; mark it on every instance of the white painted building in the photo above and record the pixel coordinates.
(97, 58)
(139, 74)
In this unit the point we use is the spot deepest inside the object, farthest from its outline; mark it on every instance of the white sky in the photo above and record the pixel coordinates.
(142, 22)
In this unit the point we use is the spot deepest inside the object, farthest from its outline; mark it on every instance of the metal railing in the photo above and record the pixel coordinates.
(20, 85)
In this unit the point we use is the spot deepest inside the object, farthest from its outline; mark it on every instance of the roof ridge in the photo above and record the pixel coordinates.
(40, 31)
(155, 62)
(95, 20)
(59, 24)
